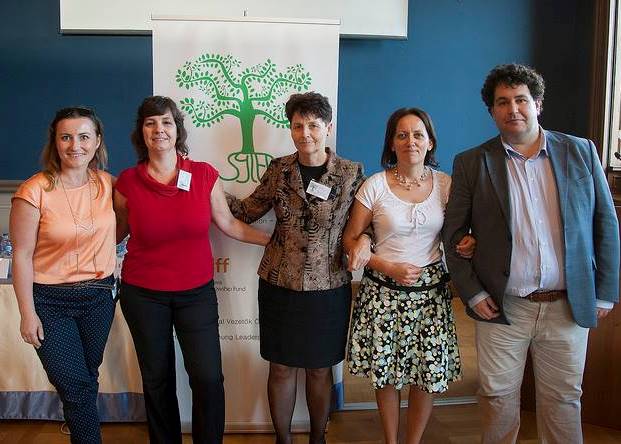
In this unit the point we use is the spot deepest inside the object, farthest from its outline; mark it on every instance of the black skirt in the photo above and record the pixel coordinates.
(306, 329)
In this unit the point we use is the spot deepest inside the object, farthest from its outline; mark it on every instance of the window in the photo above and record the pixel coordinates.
(612, 115)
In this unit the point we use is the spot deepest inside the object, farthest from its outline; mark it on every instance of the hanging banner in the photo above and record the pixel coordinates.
(231, 78)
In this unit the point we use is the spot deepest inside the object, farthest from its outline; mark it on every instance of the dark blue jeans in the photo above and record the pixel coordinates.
(151, 316)
(76, 322)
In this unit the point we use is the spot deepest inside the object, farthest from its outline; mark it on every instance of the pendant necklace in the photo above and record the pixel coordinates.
(407, 183)
(79, 225)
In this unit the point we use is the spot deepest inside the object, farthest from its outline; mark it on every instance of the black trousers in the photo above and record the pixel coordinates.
(76, 323)
(151, 316)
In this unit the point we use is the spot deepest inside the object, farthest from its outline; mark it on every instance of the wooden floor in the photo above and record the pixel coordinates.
(448, 425)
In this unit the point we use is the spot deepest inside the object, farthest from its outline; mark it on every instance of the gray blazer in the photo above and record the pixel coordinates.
(479, 201)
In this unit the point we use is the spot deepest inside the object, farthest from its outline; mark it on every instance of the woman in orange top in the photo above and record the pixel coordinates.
(63, 230)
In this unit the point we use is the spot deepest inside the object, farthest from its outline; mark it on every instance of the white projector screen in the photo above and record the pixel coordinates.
(359, 18)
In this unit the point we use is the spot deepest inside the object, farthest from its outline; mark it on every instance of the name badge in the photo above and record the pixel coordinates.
(318, 190)
(183, 180)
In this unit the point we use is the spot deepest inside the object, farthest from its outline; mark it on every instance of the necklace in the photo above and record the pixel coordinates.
(407, 183)
(79, 225)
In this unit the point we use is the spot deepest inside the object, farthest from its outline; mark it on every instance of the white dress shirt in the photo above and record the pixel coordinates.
(538, 247)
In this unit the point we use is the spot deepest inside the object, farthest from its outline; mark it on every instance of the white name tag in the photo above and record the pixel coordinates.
(183, 180)
(318, 189)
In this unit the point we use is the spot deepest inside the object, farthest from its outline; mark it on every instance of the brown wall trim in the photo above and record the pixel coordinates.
(9, 186)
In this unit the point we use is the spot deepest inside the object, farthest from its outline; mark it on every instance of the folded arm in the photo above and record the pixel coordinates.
(457, 224)
(359, 220)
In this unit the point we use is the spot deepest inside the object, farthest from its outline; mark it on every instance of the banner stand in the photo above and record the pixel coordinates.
(231, 78)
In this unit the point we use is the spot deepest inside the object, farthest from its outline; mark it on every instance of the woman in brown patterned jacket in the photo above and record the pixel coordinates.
(304, 285)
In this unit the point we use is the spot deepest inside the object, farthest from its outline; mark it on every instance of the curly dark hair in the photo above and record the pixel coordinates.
(309, 104)
(389, 158)
(512, 74)
(157, 106)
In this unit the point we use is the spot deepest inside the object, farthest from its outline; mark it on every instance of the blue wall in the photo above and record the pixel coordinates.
(451, 46)
(43, 71)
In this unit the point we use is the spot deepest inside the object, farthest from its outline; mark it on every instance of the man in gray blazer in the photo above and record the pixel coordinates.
(546, 265)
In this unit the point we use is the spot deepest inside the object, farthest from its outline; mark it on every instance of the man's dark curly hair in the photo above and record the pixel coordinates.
(512, 74)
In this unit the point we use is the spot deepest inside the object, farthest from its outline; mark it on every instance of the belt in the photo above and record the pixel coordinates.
(107, 283)
(547, 296)
(408, 288)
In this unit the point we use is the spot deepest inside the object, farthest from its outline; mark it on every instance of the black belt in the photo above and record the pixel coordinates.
(443, 280)
(90, 283)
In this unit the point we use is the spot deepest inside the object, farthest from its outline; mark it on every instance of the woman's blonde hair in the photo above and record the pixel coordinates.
(50, 160)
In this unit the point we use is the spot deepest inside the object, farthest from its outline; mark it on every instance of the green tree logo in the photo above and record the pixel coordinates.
(259, 90)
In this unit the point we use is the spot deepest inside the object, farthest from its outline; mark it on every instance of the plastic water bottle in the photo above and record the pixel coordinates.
(6, 249)
(121, 249)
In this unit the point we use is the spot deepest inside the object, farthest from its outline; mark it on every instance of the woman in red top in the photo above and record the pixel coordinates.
(166, 203)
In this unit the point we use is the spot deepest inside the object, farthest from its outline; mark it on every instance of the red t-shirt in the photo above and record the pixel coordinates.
(168, 247)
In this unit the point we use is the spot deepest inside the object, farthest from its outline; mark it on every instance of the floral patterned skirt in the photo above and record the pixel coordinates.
(405, 335)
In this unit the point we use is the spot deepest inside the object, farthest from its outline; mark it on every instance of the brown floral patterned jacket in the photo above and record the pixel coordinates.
(306, 250)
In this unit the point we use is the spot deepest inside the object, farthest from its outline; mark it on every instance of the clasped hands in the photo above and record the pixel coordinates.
(402, 272)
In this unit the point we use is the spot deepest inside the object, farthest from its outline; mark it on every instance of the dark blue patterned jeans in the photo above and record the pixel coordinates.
(76, 322)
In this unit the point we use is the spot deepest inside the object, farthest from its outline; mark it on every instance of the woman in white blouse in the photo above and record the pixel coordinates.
(403, 330)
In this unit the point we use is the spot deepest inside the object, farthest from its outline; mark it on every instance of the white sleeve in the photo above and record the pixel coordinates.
(368, 192)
